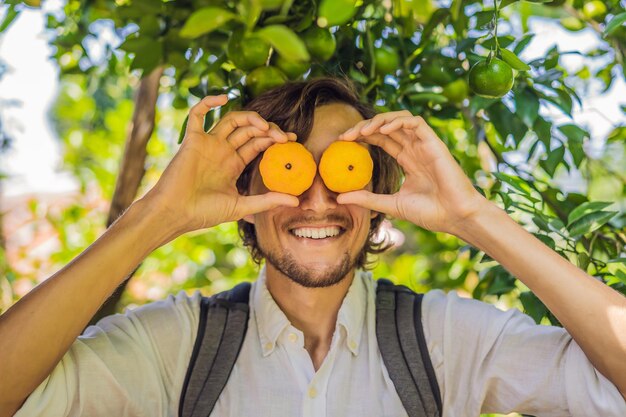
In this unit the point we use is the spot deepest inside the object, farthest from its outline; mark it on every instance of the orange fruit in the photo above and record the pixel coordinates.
(288, 168)
(491, 79)
(248, 53)
(320, 42)
(387, 60)
(346, 166)
(456, 91)
(261, 79)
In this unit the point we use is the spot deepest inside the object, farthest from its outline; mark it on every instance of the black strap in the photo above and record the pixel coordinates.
(403, 348)
(221, 330)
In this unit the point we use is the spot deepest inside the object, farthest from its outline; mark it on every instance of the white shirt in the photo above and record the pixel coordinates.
(485, 360)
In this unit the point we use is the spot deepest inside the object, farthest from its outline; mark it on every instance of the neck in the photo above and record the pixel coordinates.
(311, 310)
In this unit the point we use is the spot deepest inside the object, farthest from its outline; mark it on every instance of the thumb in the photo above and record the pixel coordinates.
(257, 203)
(382, 203)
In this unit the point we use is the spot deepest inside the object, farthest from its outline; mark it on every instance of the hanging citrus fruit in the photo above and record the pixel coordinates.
(248, 53)
(292, 69)
(346, 166)
(436, 70)
(387, 61)
(456, 91)
(320, 43)
(262, 79)
(491, 79)
(288, 168)
(595, 10)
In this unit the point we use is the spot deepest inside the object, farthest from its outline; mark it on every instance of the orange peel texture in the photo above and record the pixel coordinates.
(346, 166)
(288, 168)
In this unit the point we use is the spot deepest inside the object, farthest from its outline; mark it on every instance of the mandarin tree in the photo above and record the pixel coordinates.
(520, 147)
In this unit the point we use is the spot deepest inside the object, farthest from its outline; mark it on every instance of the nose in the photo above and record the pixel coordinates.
(318, 198)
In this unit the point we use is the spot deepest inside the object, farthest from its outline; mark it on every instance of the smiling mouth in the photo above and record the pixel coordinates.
(317, 232)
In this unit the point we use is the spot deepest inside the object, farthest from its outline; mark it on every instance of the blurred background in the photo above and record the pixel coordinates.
(81, 81)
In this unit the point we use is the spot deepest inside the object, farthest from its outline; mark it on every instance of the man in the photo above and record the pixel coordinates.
(311, 348)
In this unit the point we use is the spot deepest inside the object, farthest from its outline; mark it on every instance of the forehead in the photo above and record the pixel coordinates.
(329, 121)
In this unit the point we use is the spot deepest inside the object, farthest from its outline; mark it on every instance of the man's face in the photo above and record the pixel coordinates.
(315, 244)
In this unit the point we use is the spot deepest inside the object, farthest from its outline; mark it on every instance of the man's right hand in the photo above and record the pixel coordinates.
(198, 188)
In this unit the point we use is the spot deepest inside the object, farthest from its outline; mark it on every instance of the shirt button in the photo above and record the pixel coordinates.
(268, 346)
(312, 392)
(293, 337)
(352, 345)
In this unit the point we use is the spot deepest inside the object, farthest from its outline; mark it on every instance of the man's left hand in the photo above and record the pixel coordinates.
(436, 194)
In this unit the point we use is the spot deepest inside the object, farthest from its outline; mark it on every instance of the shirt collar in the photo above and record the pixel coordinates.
(352, 311)
(271, 321)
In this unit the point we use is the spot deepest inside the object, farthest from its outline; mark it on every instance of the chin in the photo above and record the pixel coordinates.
(311, 274)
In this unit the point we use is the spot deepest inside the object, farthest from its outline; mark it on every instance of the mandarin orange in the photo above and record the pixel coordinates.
(288, 168)
(346, 166)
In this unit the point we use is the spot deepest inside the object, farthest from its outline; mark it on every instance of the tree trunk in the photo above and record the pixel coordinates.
(132, 168)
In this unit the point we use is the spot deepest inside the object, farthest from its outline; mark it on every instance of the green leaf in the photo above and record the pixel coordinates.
(183, 129)
(555, 157)
(149, 58)
(147, 6)
(583, 260)
(136, 44)
(590, 222)
(542, 224)
(574, 132)
(335, 12)
(614, 24)
(621, 276)
(575, 139)
(503, 41)
(426, 97)
(500, 281)
(250, 10)
(439, 16)
(483, 18)
(523, 43)
(616, 260)
(285, 41)
(533, 306)
(204, 21)
(547, 240)
(527, 106)
(543, 129)
(586, 208)
(515, 182)
(505, 3)
(9, 17)
(512, 59)
(562, 100)
(506, 122)
(455, 8)
(618, 134)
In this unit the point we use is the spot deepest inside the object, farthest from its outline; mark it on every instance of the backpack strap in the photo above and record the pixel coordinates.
(221, 331)
(403, 347)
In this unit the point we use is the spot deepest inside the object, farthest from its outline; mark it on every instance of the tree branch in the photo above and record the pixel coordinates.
(132, 168)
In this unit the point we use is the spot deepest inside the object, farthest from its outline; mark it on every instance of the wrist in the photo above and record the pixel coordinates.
(480, 221)
(156, 221)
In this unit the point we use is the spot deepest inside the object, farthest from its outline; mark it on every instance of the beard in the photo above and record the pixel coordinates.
(332, 275)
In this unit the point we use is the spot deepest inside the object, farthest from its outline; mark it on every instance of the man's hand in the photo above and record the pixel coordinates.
(198, 188)
(436, 194)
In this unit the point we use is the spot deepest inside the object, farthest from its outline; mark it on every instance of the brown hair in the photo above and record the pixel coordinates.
(291, 107)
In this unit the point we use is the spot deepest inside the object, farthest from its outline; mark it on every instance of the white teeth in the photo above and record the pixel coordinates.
(316, 232)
